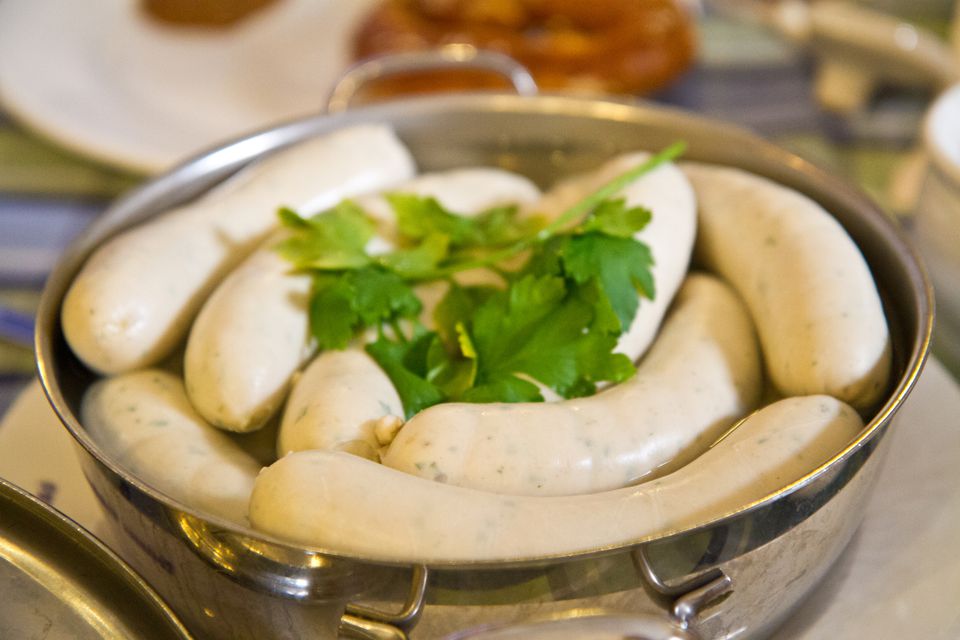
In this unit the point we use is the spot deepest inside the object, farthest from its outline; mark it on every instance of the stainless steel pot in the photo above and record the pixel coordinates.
(738, 576)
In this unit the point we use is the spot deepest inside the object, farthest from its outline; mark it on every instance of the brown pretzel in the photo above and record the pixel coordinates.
(613, 46)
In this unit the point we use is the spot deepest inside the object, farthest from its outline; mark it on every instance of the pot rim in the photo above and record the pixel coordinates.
(915, 349)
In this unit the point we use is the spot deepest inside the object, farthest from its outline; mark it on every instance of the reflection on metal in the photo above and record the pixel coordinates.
(363, 622)
(275, 569)
(198, 533)
(451, 56)
(736, 425)
(581, 623)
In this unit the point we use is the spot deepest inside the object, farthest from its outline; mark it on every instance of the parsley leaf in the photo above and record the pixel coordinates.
(419, 260)
(405, 364)
(508, 319)
(458, 306)
(555, 323)
(343, 305)
(333, 239)
(620, 265)
(508, 388)
(500, 226)
(541, 329)
(380, 296)
(613, 218)
(332, 318)
(454, 373)
(418, 217)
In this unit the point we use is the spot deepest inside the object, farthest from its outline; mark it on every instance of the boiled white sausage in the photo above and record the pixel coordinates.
(811, 293)
(144, 421)
(701, 375)
(135, 297)
(345, 504)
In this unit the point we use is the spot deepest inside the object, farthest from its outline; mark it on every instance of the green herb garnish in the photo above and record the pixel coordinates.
(556, 320)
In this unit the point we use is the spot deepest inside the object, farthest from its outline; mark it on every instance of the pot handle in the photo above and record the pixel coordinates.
(366, 623)
(687, 600)
(452, 56)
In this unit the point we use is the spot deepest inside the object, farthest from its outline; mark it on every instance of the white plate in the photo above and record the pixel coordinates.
(103, 80)
(899, 579)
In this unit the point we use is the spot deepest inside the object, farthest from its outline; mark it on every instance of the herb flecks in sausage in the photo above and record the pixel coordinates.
(556, 322)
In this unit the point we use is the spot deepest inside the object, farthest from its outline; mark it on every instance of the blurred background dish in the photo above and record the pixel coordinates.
(113, 82)
(144, 85)
(935, 223)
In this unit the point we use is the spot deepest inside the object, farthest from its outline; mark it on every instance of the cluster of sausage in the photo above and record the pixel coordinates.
(780, 310)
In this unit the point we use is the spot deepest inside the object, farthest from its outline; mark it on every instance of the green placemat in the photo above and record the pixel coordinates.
(30, 165)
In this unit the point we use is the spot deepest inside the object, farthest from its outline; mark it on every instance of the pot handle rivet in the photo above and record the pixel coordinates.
(687, 607)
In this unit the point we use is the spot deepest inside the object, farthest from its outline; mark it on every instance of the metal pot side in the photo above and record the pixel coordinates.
(230, 583)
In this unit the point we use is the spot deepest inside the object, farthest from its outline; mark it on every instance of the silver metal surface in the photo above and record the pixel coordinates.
(688, 607)
(58, 583)
(451, 56)
(227, 582)
(585, 624)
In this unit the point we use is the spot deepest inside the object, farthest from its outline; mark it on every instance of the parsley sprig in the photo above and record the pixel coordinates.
(555, 322)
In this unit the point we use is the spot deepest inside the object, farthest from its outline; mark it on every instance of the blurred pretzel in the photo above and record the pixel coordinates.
(600, 46)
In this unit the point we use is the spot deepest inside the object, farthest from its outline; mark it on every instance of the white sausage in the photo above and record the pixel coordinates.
(818, 313)
(136, 295)
(701, 375)
(670, 234)
(253, 333)
(337, 403)
(345, 504)
(144, 421)
(250, 336)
